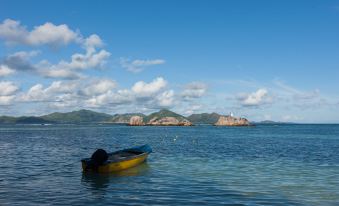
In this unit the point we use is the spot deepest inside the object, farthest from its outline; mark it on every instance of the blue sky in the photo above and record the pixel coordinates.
(275, 60)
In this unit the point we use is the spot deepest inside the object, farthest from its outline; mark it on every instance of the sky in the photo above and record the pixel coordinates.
(263, 60)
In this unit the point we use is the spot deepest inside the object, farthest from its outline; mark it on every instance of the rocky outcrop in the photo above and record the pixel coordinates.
(168, 121)
(123, 118)
(232, 121)
(136, 121)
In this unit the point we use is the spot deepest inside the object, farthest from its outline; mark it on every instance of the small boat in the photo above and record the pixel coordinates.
(117, 161)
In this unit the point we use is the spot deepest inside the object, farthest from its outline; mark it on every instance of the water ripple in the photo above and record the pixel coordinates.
(203, 165)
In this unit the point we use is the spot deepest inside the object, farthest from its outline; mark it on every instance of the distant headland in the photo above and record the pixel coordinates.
(164, 117)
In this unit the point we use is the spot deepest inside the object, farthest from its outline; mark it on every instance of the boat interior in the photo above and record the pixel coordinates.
(118, 156)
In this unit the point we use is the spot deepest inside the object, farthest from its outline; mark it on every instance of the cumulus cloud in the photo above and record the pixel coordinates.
(35, 93)
(38, 93)
(8, 88)
(55, 35)
(93, 93)
(60, 73)
(142, 88)
(141, 93)
(92, 42)
(99, 87)
(7, 92)
(192, 109)
(62, 87)
(90, 60)
(12, 32)
(111, 98)
(194, 90)
(5, 70)
(6, 100)
(257, 98)
(73, 93)
(166, 99)
(139, 65)
(19, 61)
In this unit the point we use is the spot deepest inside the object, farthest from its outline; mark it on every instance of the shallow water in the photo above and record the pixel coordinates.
(200, 165)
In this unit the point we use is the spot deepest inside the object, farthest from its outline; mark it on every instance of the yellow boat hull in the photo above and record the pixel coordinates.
(118, 166)
(119, 160)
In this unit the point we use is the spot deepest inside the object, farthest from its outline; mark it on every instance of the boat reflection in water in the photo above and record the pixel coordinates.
(100, 181)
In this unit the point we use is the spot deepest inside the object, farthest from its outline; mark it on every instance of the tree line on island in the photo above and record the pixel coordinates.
(163, 117)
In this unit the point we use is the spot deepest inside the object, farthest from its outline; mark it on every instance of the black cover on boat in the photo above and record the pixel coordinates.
(99, 157)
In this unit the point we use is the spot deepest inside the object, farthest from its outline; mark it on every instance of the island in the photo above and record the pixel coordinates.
(229, 120)
(163, 117)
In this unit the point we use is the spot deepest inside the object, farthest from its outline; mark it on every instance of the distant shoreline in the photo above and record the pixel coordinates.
(91, 117)
(125, 124)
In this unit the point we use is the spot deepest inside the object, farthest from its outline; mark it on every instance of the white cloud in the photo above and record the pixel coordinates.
(194, 90)
(5, 70)
(142, 88)
(50, 94)
(62, 87)
(111, 98)
(35, 93)
(55, 35)
(19, 61)
(255, 99)
(192, 109)
(25, 55)
(6, 100)
(138, 65)
(141, 93)
(99, 87)
(8, 88)
(52, 34)
(93, 42)
(7, 92)
(101, 94)
(166, 99)
(90, 60)
(60, 73)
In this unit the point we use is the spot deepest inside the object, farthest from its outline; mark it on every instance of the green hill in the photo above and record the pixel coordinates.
(204, 118)
(7, 120)
(123, 118)
(81, 116)
(32, 120)
(23, 120)
(88, 116)
(164, 113)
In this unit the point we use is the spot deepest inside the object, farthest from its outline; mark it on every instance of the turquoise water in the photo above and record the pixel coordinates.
(200, 165)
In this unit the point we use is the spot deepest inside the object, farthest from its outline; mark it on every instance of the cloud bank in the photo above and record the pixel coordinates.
(12, 32)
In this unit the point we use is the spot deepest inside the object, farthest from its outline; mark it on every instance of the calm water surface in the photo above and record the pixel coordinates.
(201, 165)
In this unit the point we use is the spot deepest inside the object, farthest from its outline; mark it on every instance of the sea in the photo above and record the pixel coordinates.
(276, 164)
